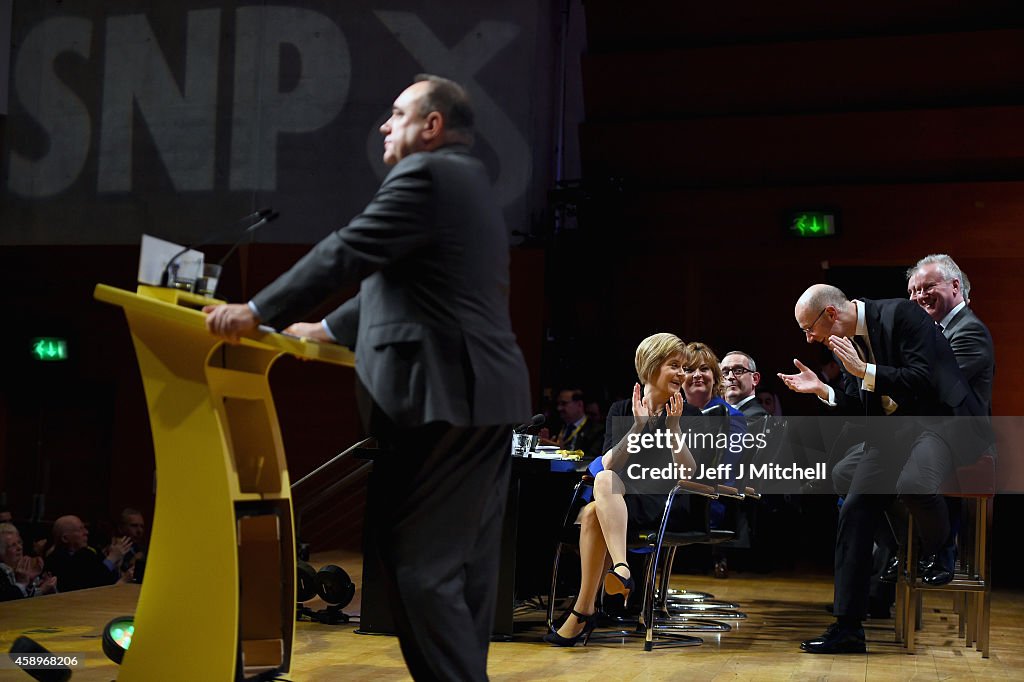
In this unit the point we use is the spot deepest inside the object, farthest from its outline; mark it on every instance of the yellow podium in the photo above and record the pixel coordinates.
(219, 587)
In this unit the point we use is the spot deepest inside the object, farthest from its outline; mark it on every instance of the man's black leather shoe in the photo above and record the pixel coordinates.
(891, 572)
(936, 576)
(837, 640)
(933, 573)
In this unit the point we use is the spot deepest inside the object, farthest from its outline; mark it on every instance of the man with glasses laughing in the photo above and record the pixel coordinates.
(898, 364)
(740, 379)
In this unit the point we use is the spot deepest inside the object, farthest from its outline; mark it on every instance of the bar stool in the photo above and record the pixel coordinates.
(971, 584)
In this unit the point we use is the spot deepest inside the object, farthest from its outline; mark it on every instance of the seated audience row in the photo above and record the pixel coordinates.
(68, 562)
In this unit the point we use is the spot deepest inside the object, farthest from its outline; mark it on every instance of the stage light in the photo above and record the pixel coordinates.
(335, 586)
(305, 586)
(332, 584)
(117, 637)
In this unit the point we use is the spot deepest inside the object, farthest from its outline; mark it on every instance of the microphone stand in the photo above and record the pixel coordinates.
(265, 214)
(270, 217)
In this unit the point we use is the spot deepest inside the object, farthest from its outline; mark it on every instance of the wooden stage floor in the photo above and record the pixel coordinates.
(781, 609)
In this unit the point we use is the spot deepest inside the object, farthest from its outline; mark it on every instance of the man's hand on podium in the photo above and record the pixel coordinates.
(309, 330)
(230, 321)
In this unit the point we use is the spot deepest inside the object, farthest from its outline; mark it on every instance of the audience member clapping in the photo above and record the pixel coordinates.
(132, 526)
(20, 575)
(79, 566)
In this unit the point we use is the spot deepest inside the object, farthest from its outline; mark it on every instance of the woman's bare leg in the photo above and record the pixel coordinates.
(612, 516)
(593, 562)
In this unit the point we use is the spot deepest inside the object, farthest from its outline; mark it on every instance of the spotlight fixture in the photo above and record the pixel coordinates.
(305, 586)
(332, 584)
(117, 637)
(335, 586)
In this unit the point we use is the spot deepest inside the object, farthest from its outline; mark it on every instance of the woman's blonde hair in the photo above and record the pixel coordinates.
(654, 351)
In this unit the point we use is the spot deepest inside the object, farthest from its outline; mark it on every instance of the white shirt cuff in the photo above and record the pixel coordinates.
(869, 378)
(327, 330)
(831, 402)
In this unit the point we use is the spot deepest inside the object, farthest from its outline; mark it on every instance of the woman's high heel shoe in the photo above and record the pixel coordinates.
(616, 584)
(589, 622)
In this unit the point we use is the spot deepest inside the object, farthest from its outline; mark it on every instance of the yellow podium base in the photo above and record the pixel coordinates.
(220, 574)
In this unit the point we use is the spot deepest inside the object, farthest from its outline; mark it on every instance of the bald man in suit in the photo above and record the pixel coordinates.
(896, 363)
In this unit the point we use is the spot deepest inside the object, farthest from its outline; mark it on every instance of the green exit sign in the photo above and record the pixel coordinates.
(812, 224)
(49, 349)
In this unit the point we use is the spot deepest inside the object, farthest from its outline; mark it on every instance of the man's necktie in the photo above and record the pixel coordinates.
(862, 349)
(863, 346)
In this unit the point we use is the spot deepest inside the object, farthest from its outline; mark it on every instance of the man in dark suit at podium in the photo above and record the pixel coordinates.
(439, 376)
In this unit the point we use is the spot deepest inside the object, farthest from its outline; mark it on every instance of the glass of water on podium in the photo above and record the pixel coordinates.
(206, 283)
(523, 444)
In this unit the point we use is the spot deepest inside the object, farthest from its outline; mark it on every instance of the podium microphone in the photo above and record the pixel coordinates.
(536, 421)
(271, 216)
(262, 213)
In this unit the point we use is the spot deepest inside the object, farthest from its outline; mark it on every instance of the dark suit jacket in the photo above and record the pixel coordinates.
(753, 410)
(430, 325)
(972, 346)
(914, 365)
(589, 439)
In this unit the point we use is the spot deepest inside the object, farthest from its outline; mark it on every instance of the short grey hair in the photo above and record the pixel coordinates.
(945, 265)
(752, 365)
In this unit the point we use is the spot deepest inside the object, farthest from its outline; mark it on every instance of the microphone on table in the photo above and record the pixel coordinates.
(264, 215)
(536, 421)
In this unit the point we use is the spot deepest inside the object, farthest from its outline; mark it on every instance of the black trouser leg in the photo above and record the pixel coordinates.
(437, 526)
(858, 518)
(929, 465)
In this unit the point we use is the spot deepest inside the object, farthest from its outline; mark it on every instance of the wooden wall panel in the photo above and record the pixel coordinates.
(933, 144)
(810, 76)
(613, 25)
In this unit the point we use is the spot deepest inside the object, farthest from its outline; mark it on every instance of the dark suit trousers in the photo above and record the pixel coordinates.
(435, 510)
(862, 511)
(931, 463)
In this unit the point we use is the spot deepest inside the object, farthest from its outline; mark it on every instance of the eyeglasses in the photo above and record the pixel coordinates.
(736, 371)
(810, 328)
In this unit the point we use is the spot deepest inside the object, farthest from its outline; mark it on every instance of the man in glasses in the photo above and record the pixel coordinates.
(740, 378)
(897, 363)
